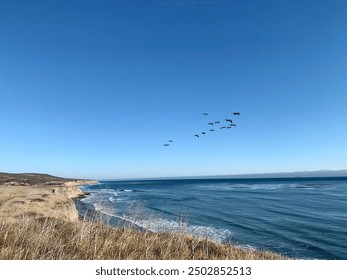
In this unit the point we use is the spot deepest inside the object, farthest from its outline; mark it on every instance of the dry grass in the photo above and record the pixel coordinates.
(30, 237)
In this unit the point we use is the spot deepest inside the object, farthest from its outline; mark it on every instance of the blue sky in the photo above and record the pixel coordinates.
(94, 89)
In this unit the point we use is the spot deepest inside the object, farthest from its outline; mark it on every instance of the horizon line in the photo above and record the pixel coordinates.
(268, 175)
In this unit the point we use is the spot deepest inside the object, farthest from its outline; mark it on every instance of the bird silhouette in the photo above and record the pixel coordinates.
(166, 145)
(228, 125)
(170, 141)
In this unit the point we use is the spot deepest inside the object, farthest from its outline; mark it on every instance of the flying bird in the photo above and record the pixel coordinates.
(166, 145)
(196, 135)
(223, 127)
(210, 123)
(229, 120)
(236, 113)
(232, 124)
(170, 141)
(211, 129)
(217, 122)
(203, 133)
(205, 114)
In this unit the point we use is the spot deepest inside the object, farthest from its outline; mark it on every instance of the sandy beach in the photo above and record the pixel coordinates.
(40, 197)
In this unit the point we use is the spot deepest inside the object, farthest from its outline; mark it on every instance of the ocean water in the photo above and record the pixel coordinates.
(303, 218)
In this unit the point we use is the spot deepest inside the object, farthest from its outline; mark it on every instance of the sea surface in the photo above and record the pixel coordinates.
(303, 218)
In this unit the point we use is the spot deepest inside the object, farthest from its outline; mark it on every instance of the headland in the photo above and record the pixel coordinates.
(39, 196)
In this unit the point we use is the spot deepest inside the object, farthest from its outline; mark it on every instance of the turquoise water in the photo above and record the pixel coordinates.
(297, 217)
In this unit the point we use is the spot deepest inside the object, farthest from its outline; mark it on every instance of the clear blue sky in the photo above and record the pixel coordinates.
(95, 88)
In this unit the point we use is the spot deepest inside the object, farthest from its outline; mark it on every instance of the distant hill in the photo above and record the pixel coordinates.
(27, 179)
(297, 174)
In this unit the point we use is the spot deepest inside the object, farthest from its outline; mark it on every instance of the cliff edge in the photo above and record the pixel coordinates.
(39, 196)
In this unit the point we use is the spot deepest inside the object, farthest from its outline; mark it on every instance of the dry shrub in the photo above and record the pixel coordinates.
(30, 237)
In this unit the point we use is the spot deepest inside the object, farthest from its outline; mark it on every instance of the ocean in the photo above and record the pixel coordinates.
(303, 218)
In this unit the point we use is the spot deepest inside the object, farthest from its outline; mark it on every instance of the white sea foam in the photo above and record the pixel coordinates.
(110, 191)
(104, 209)
(89, 197)
(246, 247)
(155, 223)
(113, 199)
(160, 225)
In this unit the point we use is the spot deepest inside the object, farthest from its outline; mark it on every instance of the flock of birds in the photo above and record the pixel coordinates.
(228, 123)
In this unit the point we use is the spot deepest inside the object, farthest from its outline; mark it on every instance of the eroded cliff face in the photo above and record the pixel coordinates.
(67, 191)
(41, 201)
(80, 183)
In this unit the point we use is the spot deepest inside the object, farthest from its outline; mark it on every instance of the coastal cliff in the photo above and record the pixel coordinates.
(39, 196)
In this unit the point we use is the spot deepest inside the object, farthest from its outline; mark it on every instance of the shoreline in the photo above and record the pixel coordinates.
(41, 221)
(92, 215)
